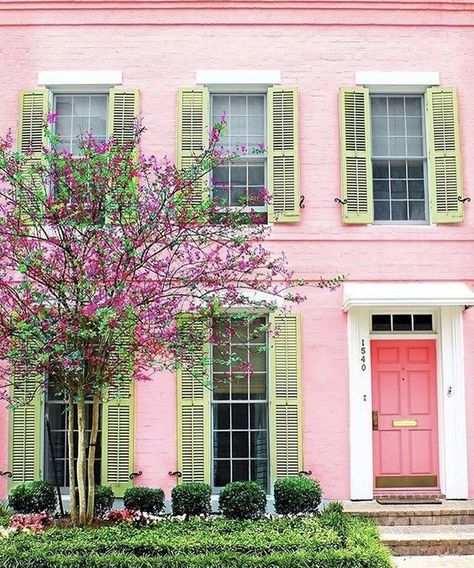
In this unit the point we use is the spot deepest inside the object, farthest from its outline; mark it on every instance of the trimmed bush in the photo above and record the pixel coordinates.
(242, 500)
(145, 499)
(280, 543)
(296, 495)
(191, 499)
(33, 497)
(104, 500)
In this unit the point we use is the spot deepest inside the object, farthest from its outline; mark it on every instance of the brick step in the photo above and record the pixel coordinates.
(410, 517)
(426, 540)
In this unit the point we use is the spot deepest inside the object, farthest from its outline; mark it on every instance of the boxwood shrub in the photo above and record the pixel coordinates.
(145, 499)
(191, 499)
(5, 514)
(104, 500)
(33, 497)
(242, 500)
(296, 494)
(280, 543)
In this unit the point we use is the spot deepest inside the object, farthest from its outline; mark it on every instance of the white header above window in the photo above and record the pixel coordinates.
(241, 77)
(406, 294)
(397, 81)
(79, 78)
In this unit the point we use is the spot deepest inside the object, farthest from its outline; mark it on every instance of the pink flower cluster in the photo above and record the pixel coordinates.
(33, 522)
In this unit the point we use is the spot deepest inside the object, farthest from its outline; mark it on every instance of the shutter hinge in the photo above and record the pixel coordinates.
(464, 199)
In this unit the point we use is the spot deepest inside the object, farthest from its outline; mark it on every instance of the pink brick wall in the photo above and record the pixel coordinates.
(318, 50)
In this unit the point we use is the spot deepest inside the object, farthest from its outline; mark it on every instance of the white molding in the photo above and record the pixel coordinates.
(64, 78)
(239, 77)
(406, 294)
(453, 464)
(360, 407)
(397, 78)
(452, 402)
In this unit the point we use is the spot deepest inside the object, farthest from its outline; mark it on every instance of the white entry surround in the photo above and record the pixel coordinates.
(446, 301)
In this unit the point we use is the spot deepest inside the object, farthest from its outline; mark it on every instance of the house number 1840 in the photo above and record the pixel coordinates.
(362, 355)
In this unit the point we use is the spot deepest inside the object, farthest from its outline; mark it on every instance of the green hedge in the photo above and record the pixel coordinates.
(292, 543)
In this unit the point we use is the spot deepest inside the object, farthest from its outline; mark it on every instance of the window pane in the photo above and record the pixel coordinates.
(380, 146)
(397, 146)
(416, 189)
(381, 189)
(379, 126)
(417, 210)
(238, 105)
(256, 105)
(222, 444)
(240, 470)
(259, 472)
(398, 170)
(99, 106)
(414, 126)
(423, 322)
(413, 106)
(415, 170)
(398, 189)
(240, 416)
(401, 322)
(381, 322)
(258, 416)
(64, 105)
(258, 386)
(221, 473)
(240, 444)
(221, 416)
(380, 170)
(63, 126)
(221, 390)
(220, 106)
(378, 106)
(396, 106)
(399, 211)
(81, 106)
(415, 146)
(381, 210)
(397, 126)
(258, 444)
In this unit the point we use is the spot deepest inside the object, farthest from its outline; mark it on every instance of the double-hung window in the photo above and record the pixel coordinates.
(240, 402)
(240, 183)
(400, 157)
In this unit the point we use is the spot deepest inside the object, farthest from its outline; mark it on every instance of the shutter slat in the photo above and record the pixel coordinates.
(124, 109)
(285, 388)
(283, 155)
(32, 118)
(356, 167)
(444, 155)
(193, 408)
(118, 420)
(193, 136)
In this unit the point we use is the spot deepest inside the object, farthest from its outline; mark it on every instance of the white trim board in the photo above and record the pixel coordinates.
(453, 464)
(397, 78)
(62, 78)
(238, 77)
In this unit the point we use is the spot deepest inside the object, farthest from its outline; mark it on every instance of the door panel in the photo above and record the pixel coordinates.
(405, 421)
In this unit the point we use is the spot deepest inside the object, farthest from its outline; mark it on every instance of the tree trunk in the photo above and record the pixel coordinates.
(72, 465)
(81, 459)
(91, 458)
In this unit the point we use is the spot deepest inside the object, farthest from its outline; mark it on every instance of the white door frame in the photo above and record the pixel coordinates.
(451, 398)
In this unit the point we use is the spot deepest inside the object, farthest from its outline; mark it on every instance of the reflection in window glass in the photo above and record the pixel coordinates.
(240, 402)
(402, 322)
(398, 158)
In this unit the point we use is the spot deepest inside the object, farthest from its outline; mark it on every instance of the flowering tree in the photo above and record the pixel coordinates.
(110, 245)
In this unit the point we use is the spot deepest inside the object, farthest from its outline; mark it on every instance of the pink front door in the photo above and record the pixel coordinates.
(404, 417)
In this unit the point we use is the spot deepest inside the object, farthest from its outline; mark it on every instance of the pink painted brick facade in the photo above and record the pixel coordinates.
(318, 47)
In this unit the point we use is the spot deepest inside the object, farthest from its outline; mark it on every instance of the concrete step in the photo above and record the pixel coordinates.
(448, 513)
(426, 540)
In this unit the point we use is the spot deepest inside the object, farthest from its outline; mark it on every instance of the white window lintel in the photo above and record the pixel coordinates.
(79, 78)
(243, 77)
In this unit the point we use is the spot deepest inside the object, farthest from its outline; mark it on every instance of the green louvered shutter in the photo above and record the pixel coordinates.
(285, 395)
(25, 421)
(118, 422)
(356, 166)
(194, 450)
(283, 156)
(31, 139)
(124, 109)
(444, 155)
(193, 134)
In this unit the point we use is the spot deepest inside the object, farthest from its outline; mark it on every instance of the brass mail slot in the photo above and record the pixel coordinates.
(404, 423)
